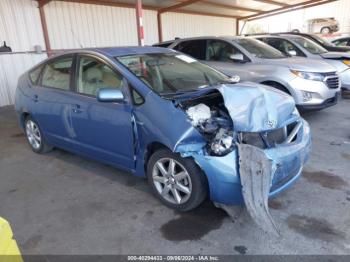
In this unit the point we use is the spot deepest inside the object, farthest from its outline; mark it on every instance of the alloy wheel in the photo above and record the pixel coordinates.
(33, 134)
(172, 181)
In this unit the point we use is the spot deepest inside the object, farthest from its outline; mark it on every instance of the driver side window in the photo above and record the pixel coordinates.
(94, 74)
(220, 51)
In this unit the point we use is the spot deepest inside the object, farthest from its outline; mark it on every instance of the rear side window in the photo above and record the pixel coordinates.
(57, 73)
(195, 48)
(34, 75)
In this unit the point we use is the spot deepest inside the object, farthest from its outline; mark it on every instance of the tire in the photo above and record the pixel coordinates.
(35, 137)
(325, 30)
(186, 175)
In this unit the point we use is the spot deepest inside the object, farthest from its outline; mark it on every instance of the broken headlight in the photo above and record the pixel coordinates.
(223, 142)
(215, 125)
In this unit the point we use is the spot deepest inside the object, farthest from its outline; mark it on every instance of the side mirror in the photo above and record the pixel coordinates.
(292, 52)
(237, 58)
(235, 79)
(110, 95)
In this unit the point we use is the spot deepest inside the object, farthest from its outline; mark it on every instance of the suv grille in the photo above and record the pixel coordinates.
(331, 80)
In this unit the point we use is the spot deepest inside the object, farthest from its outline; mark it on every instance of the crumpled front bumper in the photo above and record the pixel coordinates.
(287, 163)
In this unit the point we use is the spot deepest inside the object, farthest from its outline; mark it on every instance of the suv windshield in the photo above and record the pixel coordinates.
(259, 49)
(309, 45)
(171, 74)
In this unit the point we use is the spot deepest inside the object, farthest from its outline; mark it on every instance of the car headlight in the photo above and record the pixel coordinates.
(347, 62)
(308, 75)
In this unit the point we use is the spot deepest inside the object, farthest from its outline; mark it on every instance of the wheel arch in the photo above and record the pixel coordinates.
(154, 146)
(277, 85)
(22, 117)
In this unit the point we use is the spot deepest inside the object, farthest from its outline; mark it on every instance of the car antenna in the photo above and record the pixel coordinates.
(76, 39)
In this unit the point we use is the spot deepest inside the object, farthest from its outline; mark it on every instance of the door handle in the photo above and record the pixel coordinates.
(76, 109)
(35, 98)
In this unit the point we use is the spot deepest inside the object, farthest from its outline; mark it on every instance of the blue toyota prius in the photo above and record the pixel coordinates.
(157, 113)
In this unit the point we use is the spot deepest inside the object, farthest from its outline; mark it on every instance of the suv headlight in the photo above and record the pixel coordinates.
(308, 75)
(347, 62)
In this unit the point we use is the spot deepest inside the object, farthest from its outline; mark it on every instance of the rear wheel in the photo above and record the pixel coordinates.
(325, 30)
(176, 181)
(35, 137)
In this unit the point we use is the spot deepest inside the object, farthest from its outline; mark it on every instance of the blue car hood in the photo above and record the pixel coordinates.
(253, 107)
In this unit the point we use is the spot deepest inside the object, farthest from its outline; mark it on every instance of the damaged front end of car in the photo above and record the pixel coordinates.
(256, 145)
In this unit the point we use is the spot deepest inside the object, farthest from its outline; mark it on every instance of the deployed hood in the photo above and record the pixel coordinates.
(255, 107)
(335, 55)
(303, 64)
(251, 106)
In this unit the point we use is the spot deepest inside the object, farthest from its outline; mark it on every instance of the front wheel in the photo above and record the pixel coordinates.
(35, 137)
(177, 182)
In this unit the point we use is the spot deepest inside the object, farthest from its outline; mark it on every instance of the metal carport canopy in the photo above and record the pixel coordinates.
(241, 10)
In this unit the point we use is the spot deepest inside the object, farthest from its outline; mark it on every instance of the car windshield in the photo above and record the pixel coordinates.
(172, 73)
(322, 41)
(310, 46)
(259, 49)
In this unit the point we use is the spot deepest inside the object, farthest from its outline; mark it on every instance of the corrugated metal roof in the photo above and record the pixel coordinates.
(234, 8)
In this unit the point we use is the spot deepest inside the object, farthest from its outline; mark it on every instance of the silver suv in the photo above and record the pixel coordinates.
(313, 84)
(322, 25)
(295, 45)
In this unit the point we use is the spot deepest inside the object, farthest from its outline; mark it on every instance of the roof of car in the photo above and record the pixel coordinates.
(128, 50)
(202, 38)
(280, 36)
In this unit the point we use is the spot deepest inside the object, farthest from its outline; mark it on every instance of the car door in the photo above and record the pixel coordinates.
(52, 101)
(103, 130)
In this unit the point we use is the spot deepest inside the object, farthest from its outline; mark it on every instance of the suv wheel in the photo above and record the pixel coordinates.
(35, 137)
(176, 181)
(325, 30)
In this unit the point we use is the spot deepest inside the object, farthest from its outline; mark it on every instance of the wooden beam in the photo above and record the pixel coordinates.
(42, 3)
(177, 6)
(271, 2)
(190, 12)
(111, 3)
(160, 27)
(290, 8)
(44, 27)
(139, 23)
(232, 7)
